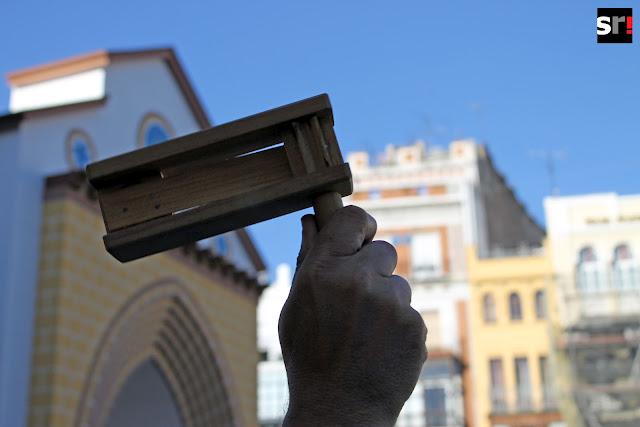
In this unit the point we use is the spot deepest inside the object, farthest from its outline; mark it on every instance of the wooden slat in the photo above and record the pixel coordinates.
(314, 144)
(235, 212)
(192, 187)
(303, 147)
(321, 141)
(157, 156)
(332, 141)
(222, 179)
(294, 155)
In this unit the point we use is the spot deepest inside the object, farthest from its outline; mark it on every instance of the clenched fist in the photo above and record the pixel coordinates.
(352, 345)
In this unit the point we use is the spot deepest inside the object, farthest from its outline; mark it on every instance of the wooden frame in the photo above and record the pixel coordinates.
(221, 179)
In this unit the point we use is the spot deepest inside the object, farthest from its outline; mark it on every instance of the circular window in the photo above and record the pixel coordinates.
(80, 150)
(153, 129)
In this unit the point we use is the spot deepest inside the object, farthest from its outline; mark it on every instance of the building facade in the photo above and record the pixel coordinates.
(85, 340)
(431, 203)
(595, 241)
(273, 389)
(512, 311)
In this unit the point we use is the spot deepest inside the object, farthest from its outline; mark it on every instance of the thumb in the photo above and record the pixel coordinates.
(309, 231)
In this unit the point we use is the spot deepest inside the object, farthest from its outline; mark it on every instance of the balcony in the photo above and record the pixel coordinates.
(602, 303)
(522, 400)
(602, 291)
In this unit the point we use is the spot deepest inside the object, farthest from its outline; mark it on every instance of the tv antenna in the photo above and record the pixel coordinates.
(550, 157)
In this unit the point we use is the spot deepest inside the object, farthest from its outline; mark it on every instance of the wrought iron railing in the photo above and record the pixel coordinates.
(521, 399)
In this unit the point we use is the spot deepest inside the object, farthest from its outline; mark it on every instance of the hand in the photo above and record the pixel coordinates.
(352, 345)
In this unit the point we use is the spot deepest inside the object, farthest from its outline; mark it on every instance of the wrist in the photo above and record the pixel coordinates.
(335, 411)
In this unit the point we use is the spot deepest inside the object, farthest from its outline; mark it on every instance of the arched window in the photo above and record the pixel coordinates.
(221, 245)
(587, 272)
(541, 305)
(515, 308)
(80, 150)
(623, 267)
(489, 308)
(154, 129)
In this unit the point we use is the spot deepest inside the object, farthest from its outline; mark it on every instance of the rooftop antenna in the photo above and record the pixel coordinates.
(550, 156)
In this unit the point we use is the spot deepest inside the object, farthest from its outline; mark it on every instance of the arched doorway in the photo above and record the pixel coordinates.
(158, 357)
(146, 399)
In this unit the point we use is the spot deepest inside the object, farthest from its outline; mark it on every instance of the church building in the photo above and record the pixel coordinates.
(84, 340)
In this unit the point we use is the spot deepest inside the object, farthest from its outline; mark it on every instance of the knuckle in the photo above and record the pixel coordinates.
(403, 285)
(385, 248)
(357, 215)
(419, 334)
(415, 333)
(402, 282)
(414, 322)
(354, 212)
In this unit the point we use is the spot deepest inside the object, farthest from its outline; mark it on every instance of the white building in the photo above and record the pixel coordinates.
(62, 116)
(273, 390)
(595, 242)
(431, 204)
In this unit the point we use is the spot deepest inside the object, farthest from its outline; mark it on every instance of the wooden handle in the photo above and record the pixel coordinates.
(324, 205)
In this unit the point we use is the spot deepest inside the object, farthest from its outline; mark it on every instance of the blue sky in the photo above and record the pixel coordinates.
(521, 76)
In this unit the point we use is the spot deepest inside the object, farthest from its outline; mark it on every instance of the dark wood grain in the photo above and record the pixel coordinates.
(222, 179)
(159, 196)
(225, 215)
(218, 139)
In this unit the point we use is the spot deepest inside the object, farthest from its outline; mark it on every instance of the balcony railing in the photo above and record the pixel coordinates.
(602, 303)
(549, 398)
(523, 250)
(600, 290)
(498, 400)
(522, 400)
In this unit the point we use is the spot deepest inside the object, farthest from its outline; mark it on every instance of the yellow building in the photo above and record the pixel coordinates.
(595, 241)
(164, 341)
(168, 339)
(511, 313)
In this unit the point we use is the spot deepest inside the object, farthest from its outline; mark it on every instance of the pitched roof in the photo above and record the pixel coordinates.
(102, 58)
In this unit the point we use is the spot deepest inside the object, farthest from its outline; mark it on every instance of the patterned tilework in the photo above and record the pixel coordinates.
(82, 289)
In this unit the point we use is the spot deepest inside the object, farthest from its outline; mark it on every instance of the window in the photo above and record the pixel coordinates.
(497, 391)
(80, 150)
(375, 194)
(401, 239)
(154, 129)
(541, 305)
(523, 383)
(587, 270)
(402, 243)
(435, 406)
(426, 255)
(155, 134)
(515, 308)
(221, 245)
(548, 396)
(489, 308)
(623, 268)
(432, 320)
(544, 370)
